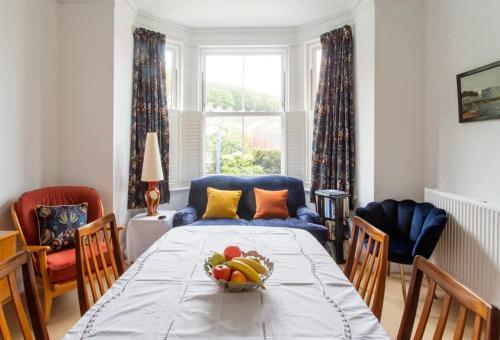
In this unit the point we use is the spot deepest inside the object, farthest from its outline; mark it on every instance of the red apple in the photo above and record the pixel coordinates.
(231, 252)
(221, 272)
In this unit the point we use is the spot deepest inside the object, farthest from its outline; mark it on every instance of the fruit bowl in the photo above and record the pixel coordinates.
(244, 286)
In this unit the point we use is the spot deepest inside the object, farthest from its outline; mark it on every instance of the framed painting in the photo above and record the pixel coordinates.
(479, 94)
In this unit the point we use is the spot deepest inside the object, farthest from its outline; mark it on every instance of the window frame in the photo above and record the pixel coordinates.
(176, 75)
(312, 48)
(243, 51)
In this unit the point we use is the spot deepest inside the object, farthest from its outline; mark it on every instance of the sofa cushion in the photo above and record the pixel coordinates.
(61, 265)
(221, 221)
(222, 203)
(270, 203)
(198, 192)
(318, 231)
(400, 250)
(296, 196)
(26, 204)
(57, 224)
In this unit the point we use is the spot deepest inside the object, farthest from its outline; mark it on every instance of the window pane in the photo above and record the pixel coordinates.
(262, 145)
(169, 67)
(224, 83)
(263, 83)
(223, 145)
(243, 145)
(318, 63)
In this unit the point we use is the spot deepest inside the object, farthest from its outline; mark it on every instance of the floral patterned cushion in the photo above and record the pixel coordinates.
(57, 224)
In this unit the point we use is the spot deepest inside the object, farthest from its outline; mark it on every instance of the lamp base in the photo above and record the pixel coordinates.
(152, 197)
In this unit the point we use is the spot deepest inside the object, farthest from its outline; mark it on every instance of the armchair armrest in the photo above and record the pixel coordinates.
(429, 237)
(184, 217)
(36, 249)
(307, 215)
(374, 215)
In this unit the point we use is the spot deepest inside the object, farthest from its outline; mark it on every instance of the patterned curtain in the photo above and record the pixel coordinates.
(333, 136)
(149, 112)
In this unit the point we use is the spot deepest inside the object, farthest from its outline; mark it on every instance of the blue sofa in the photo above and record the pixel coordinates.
(301, 217)
(413, 228)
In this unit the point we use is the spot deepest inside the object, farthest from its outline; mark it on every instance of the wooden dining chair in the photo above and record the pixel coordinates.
(485, 315)
(8, 268)
(368, 251)
(99, 259)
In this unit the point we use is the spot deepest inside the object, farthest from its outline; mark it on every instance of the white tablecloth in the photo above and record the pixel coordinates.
(143, 231)
(167, 295)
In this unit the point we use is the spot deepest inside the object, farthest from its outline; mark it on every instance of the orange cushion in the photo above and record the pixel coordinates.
(270, 204)
(61, 265)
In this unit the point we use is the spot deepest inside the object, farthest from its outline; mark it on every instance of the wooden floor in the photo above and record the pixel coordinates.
(65, 312)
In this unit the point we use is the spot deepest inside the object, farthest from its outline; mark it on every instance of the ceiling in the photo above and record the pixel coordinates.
(243, 13)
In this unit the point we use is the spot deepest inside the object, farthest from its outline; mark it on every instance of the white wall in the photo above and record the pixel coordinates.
(28, 99)
(461, 158)
(86, 97)
(124, 18)
(364, 72)
(399, 123)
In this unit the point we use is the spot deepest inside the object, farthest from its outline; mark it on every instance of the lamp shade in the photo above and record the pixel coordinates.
(151, 166)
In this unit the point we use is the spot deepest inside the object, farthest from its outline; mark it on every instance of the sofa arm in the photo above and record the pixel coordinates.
(429, 237)
(184, 217)
(307, 215)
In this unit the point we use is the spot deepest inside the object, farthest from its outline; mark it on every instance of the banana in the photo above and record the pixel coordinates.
(252, 263)
(249, 272)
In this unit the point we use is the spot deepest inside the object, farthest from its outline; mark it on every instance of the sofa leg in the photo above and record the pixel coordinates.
(403, 281)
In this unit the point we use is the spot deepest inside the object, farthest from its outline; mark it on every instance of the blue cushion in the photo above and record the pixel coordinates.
(198, 192)
(318, 231)
(57, 224)
(400, 250)
(221, 221)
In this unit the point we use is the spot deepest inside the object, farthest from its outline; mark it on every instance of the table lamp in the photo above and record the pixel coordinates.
(152, 173)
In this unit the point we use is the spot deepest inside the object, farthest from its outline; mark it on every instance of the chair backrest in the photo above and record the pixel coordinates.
(368, 251)
(23, 211)
(246, 207)
(8, 268)
(99, 260)
(484, 313)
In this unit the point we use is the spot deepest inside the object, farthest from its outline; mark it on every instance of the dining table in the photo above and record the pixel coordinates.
(166, 293)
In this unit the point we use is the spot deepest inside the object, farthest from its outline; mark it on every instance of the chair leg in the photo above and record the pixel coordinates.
(47, 305)
(403, 281)
(388, 268)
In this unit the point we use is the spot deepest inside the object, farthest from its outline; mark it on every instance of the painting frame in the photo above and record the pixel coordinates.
(461, 107)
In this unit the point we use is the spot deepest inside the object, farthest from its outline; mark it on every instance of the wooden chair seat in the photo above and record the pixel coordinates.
(486, 316)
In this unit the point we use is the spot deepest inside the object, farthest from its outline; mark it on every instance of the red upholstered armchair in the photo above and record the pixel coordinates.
(55, 271)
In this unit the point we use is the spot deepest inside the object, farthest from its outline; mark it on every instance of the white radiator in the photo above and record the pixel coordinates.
(469, 248)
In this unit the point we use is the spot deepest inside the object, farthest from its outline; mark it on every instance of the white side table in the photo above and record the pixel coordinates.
(143, 231)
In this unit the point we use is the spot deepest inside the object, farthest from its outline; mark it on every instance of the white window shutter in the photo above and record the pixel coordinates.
(191, 146)
(295, 142)
(174, 148)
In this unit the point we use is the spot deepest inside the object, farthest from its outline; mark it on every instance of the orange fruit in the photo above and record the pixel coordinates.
(238, 277)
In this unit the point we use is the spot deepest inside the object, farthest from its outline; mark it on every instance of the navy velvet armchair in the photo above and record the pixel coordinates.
(301, 217)
(413, 228)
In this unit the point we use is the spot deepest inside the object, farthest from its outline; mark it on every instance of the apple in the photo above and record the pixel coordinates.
(231, 252)
(238, 277)
(216, 259)
(221, 272)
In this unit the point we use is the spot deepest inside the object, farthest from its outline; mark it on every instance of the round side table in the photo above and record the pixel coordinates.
(143, 231)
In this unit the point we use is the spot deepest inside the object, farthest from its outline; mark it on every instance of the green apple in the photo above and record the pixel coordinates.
(216, 259)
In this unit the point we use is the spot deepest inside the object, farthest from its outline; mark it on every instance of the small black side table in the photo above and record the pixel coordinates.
(333, 207)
